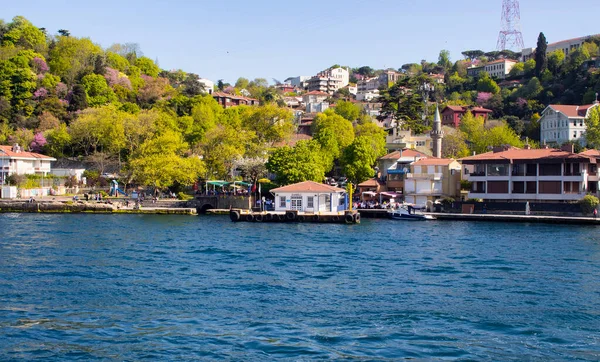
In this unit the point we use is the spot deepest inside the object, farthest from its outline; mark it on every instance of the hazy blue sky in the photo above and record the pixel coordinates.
(278, 39)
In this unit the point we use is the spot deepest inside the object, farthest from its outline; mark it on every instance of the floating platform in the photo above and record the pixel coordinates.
(347, 217)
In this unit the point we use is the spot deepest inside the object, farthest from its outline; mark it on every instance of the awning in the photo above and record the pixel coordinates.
(369, 193)
(218, 183)
(391, 194)
(242, 183)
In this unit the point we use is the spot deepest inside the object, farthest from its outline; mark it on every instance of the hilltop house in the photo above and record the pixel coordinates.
(564, 123)
(230, 100)
(497, 68)
(309, 196)
(451, 115)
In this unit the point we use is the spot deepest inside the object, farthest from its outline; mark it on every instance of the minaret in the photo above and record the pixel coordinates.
(437, 134)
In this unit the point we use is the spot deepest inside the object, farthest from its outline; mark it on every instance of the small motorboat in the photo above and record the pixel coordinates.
(410, 213)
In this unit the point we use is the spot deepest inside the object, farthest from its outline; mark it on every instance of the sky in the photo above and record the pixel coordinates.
(280, 39)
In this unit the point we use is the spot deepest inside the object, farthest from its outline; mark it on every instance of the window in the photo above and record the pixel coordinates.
(420, 143)
(282, 201)
(497, 170)
(310, 201)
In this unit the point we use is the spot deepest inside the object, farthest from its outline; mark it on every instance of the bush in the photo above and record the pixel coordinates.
(183, 196)
(447, 201)
(588, 204)
(465, 185)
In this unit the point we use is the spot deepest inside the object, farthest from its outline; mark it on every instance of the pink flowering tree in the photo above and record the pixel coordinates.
(62, 90)
(229, 90)
(521, 102)
(114, 77)
(39, 65)
(38, 143)
(40, 93)
(483, 98)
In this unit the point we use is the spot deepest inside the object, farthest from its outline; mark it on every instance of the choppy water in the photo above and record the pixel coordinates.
(177, 288)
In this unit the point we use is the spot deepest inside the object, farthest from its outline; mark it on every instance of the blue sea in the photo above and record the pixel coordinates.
(144, 287)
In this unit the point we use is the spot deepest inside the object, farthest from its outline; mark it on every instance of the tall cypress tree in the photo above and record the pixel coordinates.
(541, 59)
(78, 99)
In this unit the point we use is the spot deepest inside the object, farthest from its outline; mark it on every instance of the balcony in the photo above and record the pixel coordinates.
(425, 176)
(477, 174)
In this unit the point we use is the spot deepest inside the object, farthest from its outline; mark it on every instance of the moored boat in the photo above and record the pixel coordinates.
(408, 213)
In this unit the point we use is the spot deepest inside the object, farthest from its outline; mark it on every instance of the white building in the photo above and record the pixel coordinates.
(367, 96)
(368, 84)
(498, 68)
(310, 196)
(209, 85)
(13, 160)
(431, 179)
(563, 123)
(300, 81)
(329, 80)
(567, 46)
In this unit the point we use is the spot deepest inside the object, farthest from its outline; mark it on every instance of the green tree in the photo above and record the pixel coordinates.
(348, 110)
(333, 132)
(404, 102)
(358, 160)
(117, 62)
(242, 83)
(541, 58)
(99, 130)
(555, 61)
(444, 59)
(58, 140)
(375, 134)
(454, 144)
(221, 147)
(487, 84)
(22, 33)
(206, 114)
(147, 66)
(161, 162)
(517, 70)
(592, 123)
(301, 163)
(529, 67)
(71, 57)
(270, 123)
(97, 90)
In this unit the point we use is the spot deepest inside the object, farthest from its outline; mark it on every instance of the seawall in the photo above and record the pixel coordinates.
(86, 207)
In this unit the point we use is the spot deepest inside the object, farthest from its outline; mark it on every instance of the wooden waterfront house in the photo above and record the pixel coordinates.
(310, 197)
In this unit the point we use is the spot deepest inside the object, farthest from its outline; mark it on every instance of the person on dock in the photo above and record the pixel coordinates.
(595, 213)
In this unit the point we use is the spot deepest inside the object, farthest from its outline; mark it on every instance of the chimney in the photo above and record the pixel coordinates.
(527, 146)
(16, 148)
(545, 146)
(568, 147)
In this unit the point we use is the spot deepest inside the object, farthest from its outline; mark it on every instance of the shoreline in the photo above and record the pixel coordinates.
(82, 207)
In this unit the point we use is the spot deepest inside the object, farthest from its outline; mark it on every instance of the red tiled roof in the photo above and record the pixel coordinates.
(523, 154)
(572, 111)
(293, 140)
(370, 183)
(481, 110)
(454, 108)
(502, 61)
(405, 153)
(308, 186)
(6, 151)
(316, 93)
(232, 96)
(592, 152)
(433, 162)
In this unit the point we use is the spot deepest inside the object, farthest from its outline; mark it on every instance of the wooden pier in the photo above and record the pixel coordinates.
(346, 217)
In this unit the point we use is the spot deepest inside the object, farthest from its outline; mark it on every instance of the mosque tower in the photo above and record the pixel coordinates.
(437, 134)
